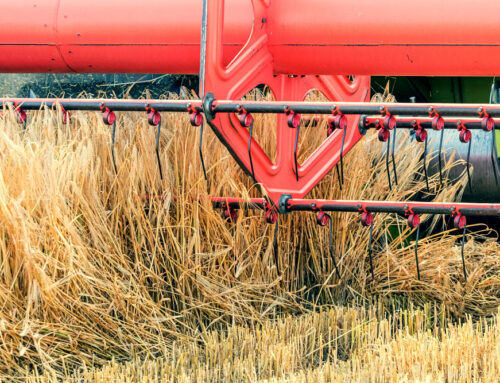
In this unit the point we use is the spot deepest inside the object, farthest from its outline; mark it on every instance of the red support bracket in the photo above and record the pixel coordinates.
(252, 66)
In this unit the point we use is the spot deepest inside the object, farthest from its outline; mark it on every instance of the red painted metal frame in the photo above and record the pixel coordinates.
(253, 66)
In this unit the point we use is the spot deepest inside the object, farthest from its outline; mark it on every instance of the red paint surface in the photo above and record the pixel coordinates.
(387, 37)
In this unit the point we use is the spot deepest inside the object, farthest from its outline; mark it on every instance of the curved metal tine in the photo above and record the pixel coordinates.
(440, 159)
(387, 168)
(200, 149)
(338, 175)
(495, 91)
(332, 253)
(417, 237)
(393, 156)
(157, 148)
(295, 153)
(425, 164)
(342, 156)
(250, 133)
(469, 181)
(276, 247)
(19, 116)
(494, 158)
(370, 243)
(113, 133)
(462, 252)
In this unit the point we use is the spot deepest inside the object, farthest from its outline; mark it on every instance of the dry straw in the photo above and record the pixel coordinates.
(334, 345)
(90, 271)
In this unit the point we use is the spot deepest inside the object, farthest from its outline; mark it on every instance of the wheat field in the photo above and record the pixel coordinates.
(99, 283)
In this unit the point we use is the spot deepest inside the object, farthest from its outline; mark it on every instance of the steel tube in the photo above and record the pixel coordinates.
(394, 207)
(374, 109)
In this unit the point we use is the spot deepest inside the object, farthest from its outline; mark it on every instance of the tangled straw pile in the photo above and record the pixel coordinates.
(91, 271)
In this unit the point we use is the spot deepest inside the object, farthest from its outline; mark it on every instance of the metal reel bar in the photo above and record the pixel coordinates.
(403, 208)
(466, 209)
(222, 106)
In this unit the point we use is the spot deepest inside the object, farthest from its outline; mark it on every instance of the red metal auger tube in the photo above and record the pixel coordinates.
(305, 37)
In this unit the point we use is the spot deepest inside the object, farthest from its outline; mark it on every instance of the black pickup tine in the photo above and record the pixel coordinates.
(393, 156)
(332, 252)
(200, 149)
(387, 168)
(338, 175)
(417, 237)
(495, 90)
(342, 155)
(157, 149)
(425, 164)
(295, 153)
(462, 252)
(250, 131)
(370, 243)
(440, 158)
(469, 181)
(113, 133)
(494, 158)
(276, 247)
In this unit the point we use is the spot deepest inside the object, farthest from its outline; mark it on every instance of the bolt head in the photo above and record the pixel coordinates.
(437, 123)
(66, 117)
(195, 118)
(383, 134)
(230, 215)
(246, 119)
(413, 220)
(322, 218)
(459, 221)
(109, 117)
(488, 124)
(465, 136)
(367, 219)
(421, 135)
(271, 216)
(294, 120)
(154, 118)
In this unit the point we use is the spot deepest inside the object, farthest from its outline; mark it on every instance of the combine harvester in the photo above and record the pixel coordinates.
(292, 47)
